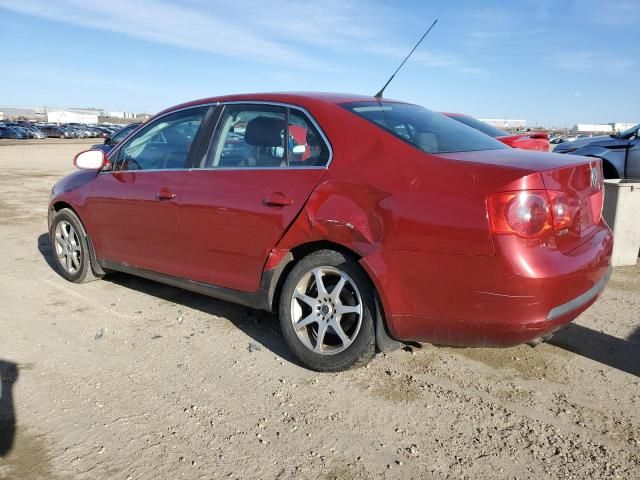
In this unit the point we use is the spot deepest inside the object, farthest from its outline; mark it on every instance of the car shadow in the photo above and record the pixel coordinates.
(621, 354)
(44, 247)
(8, 376)
(263, 327)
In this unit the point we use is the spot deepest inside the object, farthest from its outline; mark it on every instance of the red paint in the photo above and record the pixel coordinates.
(419, 223)
(227, 227)
(527, 141)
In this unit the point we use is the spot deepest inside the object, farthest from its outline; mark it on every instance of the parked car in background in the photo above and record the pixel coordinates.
(115, 138)
(389, 222)
(619, 152)
(33, 132)
(13, 132)
(56, 132)
(556, 140)
(538, 141)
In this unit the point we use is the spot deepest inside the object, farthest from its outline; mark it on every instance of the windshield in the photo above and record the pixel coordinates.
(478, 125)
(628, 133)
(424, 129)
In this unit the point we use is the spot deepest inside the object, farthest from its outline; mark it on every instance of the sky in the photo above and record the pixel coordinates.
(551, 62)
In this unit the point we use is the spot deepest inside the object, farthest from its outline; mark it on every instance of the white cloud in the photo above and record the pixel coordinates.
(165, 23)
(307, 35)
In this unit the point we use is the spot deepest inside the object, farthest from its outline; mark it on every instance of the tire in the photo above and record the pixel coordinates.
(349, 311)
(70, 248)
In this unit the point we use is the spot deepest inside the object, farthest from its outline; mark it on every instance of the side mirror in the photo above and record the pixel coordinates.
(91, 160)
(299, 149)
(107, 141)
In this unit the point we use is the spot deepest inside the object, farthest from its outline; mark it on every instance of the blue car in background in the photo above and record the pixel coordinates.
(619, 152)
(13, 132)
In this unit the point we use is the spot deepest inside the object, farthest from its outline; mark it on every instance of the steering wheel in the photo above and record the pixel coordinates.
(129, 161)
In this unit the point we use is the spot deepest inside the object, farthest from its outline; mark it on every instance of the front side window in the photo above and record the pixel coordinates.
(265, 136)
(122, 134)
(163, 144)
(424, 129)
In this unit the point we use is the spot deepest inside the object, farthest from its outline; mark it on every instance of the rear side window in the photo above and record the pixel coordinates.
(265, 136)
(429, 131)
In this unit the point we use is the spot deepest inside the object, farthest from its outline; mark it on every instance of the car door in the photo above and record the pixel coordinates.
(246, 190)
(134, 206)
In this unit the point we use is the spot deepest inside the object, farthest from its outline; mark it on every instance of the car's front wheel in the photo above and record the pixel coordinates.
(326, 312)
(70, 248)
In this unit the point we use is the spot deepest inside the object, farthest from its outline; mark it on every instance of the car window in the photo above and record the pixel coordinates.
(163, 144)
(258, 136)
(121, 134)
(429, 131)
(478, 125)
(307, 148)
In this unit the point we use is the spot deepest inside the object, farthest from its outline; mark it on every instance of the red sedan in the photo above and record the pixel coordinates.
(360, 221)
(527, 141)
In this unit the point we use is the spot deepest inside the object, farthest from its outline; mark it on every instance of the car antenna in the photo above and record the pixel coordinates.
(379, 94)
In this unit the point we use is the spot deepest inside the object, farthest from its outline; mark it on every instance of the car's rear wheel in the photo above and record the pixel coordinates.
(70, 247)
(326, 312)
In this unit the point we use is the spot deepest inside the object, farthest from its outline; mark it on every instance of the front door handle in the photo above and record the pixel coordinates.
(166, 194)
(277, 199)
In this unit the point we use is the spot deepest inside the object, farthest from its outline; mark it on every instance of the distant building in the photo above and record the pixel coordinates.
(121, 114)
(504, 122)
(593, 128)
(28, 113)
(73, 116)
(621, 126)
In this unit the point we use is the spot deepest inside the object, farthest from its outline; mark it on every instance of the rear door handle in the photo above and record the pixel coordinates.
(277, 199)
(166, 194)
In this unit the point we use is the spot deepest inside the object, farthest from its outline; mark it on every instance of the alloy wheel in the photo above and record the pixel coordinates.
(326, 310)
(67, 245)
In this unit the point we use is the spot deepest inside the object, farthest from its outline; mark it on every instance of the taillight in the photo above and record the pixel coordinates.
(561, 210)
(529, 213)
(526, 213)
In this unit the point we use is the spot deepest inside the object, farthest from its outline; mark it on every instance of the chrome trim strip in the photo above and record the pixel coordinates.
(251, 169)
(150, 170)
(254, 169)
(580, 300)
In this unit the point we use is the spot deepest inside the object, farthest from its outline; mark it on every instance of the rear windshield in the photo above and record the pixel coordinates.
(478, 125)
(429, 131)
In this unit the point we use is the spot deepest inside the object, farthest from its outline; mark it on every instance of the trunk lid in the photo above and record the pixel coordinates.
(570, 179)
(577, 195)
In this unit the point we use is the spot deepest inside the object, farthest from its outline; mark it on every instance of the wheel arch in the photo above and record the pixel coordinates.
(609, 170)
(61, 205)
(274, 279)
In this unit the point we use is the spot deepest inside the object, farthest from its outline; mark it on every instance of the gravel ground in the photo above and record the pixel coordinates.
(125, 378)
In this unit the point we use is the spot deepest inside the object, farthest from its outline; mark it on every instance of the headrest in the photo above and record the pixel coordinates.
(264, 132)
(427, 141)
(312, 139)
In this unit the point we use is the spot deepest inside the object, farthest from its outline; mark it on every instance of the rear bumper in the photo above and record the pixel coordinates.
(580, 301)
(505, 300)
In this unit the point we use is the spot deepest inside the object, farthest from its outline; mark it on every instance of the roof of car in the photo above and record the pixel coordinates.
(294, 98)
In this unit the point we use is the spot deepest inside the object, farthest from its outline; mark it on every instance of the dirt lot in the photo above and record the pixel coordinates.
(124, 378)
